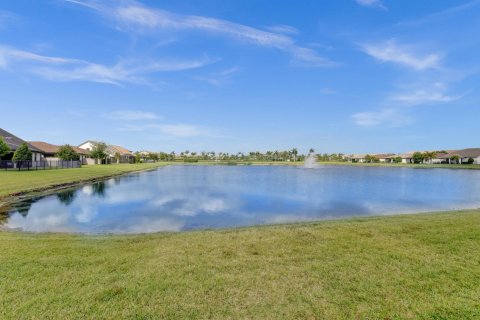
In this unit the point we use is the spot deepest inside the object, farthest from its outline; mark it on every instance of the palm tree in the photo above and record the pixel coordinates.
(294, 152)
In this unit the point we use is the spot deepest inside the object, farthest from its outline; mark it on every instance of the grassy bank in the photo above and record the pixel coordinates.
(403, 267)
(14, 182)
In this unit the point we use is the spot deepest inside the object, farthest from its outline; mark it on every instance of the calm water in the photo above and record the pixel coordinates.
(179, 198)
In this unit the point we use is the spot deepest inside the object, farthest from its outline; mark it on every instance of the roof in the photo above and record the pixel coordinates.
(384, 155)
(80, 150)
(14, 142)
(52, 148)
(465, 153)
(91, 141)
(44, 146)
(114, 149)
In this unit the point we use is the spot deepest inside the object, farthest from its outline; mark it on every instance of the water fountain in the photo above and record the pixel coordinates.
(310, 161)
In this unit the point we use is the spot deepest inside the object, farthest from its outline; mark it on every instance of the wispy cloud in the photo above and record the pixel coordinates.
(372, 3)
(135, 17)
(388, 117)
(282, 28)
(130, 115)
(395, 116)
(172, 130)
(441, 14)
(391, 51)
(6, 17)
(219, 78)
(435, 93)
(69, 69)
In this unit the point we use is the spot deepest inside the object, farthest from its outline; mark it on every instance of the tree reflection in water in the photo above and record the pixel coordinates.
(66, 197)
(99, 188)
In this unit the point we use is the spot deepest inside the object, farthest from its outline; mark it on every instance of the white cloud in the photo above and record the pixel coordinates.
(390, 51)
(371, 3)
(436, 93)
(133, 16)
(282, 28)
(172, 130)
(384, 117)
(68, 69)
(218, 78)
(130, 115)
(182, 130)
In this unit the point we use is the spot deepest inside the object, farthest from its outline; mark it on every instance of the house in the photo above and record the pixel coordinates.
(384, 157)
(50, 151)
(14, 142)
(120, 154)
(115, 154)
(464, 156)
(406, 157)
(357, 158)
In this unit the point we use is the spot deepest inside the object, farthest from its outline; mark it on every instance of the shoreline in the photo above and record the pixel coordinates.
(258, 227)
(26, 194)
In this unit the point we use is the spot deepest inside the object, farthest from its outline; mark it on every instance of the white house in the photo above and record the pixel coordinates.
(464, 155)
(116, 154)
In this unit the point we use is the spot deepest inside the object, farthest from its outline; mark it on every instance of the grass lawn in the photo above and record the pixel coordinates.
(12, 182)
(402, 267)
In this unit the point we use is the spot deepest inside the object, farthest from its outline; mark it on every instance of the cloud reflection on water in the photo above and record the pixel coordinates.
(184, 198)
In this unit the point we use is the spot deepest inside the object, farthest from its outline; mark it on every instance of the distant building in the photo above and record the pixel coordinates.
(14, 142)
(463, 155)
(115, 154)
(50, 151)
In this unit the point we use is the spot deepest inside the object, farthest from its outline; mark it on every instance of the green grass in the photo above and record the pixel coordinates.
(13, 182)
(402, 267)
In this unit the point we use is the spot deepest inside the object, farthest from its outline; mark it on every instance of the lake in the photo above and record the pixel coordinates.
(178, 198)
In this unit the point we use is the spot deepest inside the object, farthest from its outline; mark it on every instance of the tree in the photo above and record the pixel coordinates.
(455, 159)
(371, 159)
(118, 156)
(294, 153)
(67, 153)
(418, 157)
(4, 148)
(311, 150)
(397, 159)
(23, 153)
(99, 151)
(428, 156)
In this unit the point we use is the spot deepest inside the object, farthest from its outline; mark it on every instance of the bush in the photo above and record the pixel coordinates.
(190, 160)
(470, 161)
(4, 148)
(23, 153)
(67, 153)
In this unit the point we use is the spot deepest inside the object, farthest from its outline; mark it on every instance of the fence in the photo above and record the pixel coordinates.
(39, 165)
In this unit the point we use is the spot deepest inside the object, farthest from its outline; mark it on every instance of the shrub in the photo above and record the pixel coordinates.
(4, 148)
(67, 153)
(190, 160)
(23, 153)
(470, 161)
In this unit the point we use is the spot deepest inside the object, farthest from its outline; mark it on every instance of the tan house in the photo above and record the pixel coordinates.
(464, 156)
(50, 151)
(115, 154)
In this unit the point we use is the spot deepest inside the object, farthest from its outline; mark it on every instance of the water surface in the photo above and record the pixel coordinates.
(177, 198)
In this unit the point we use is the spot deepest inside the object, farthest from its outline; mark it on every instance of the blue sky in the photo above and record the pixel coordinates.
(337, 75)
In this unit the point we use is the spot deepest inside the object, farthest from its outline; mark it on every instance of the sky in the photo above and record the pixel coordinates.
(349, 76)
